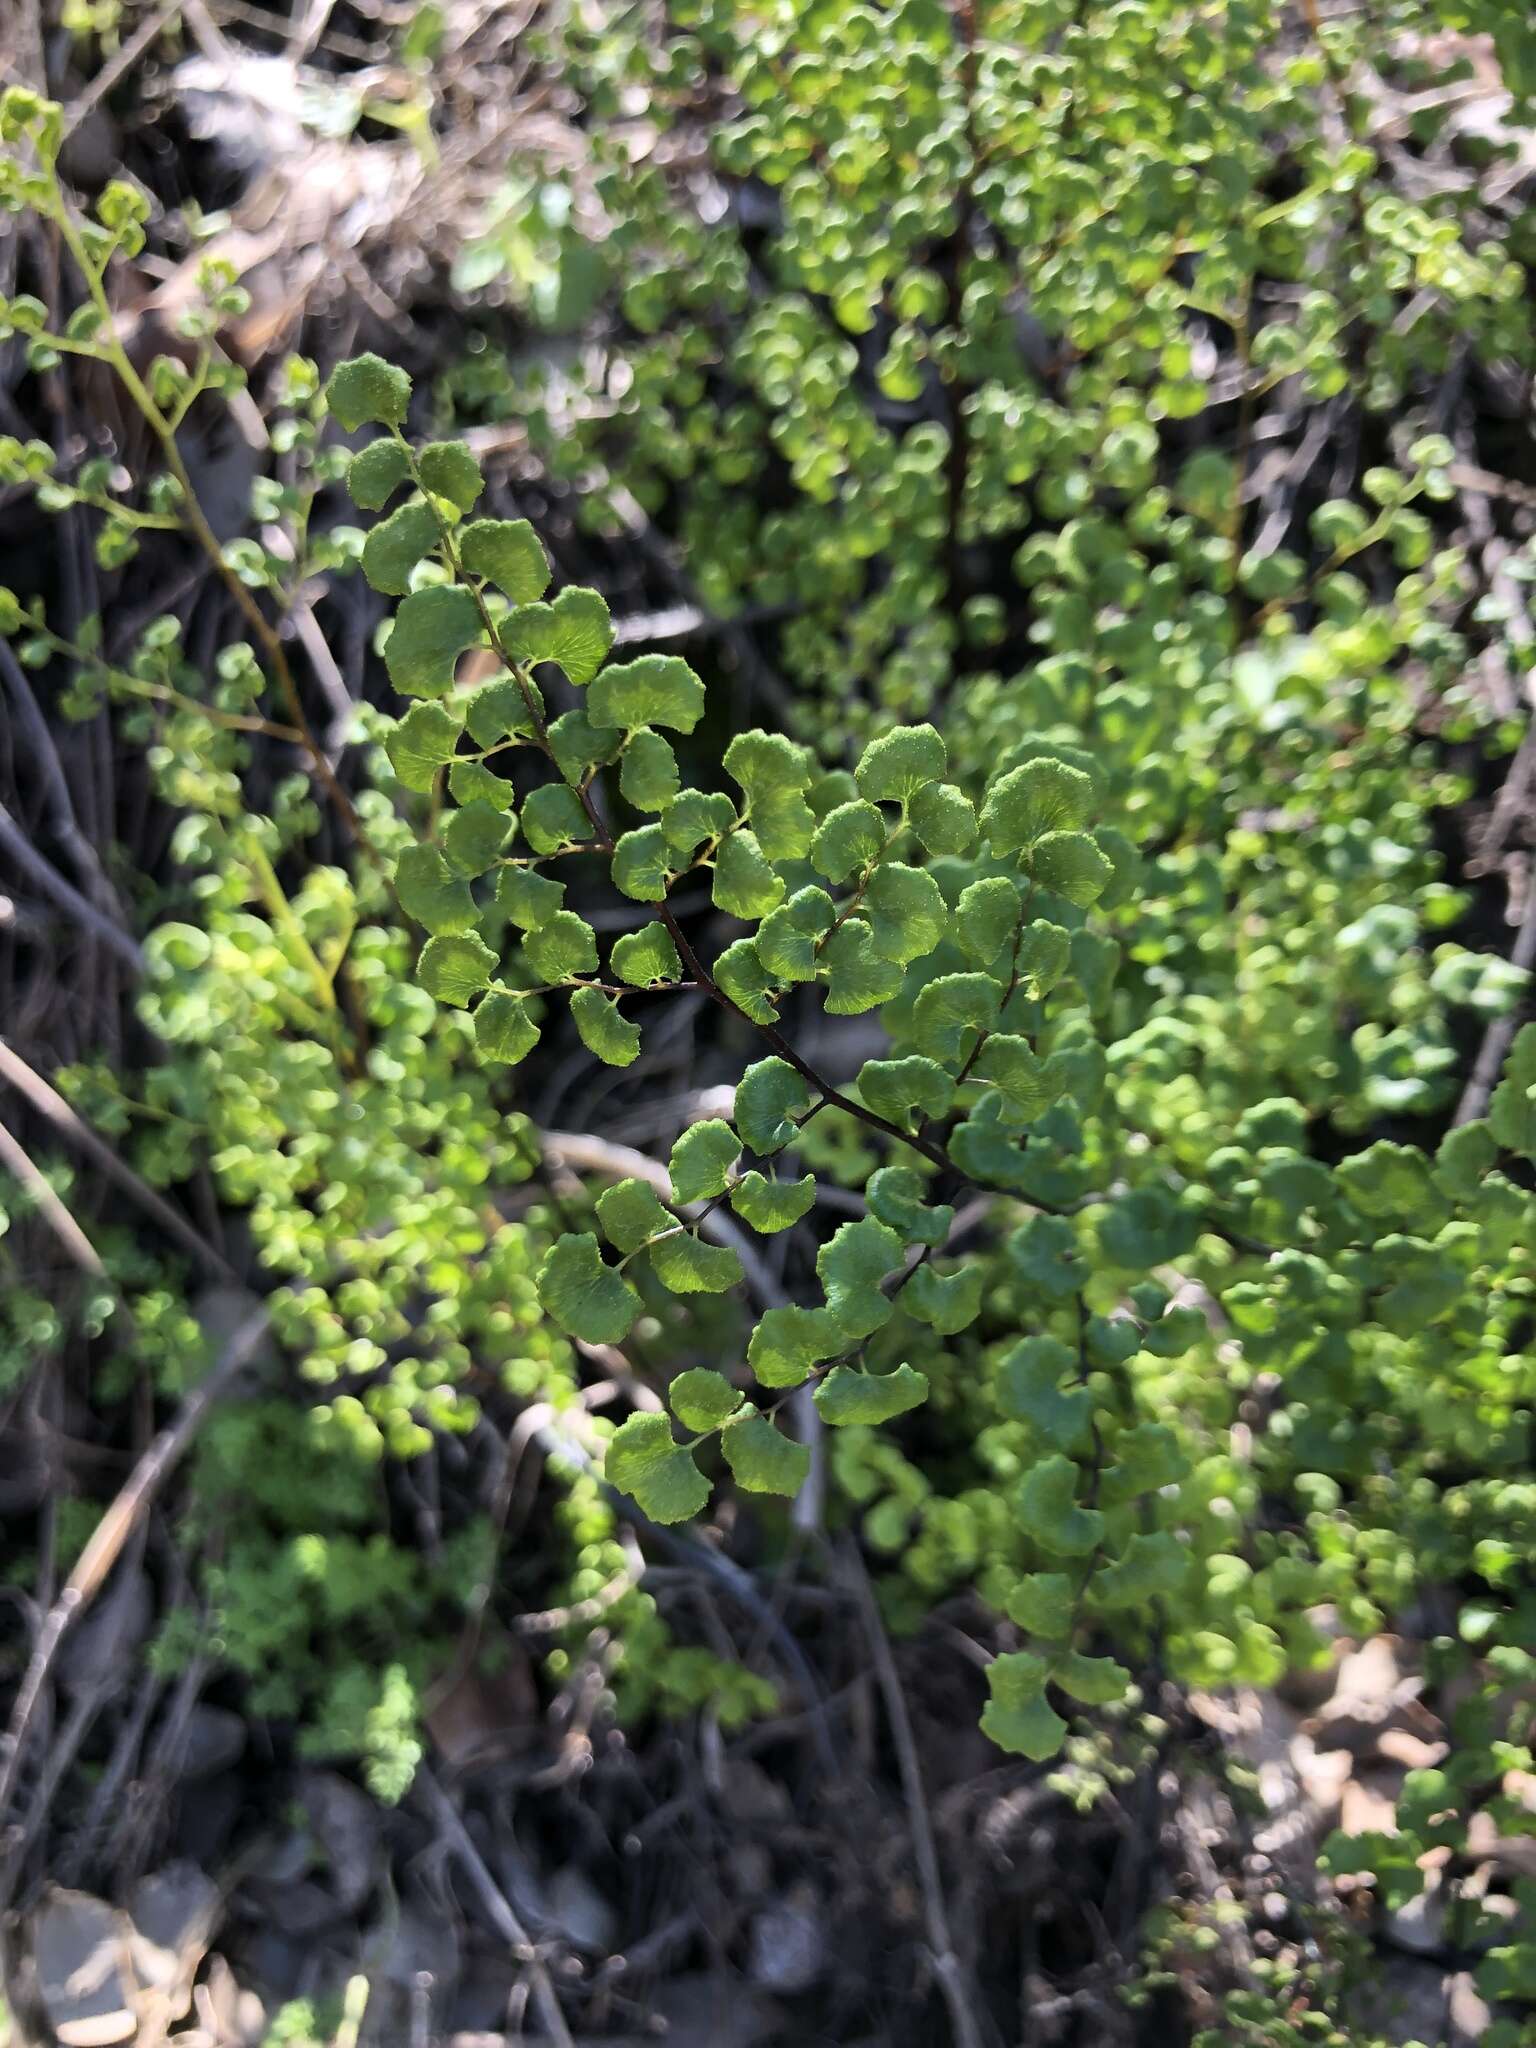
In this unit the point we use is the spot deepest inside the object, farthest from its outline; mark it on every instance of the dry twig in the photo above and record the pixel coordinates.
(1501, 1031)
(496, 1904)
(64, 895)
(122, 1517)
(19, 1165)
(946, 1964)
(48, 1102)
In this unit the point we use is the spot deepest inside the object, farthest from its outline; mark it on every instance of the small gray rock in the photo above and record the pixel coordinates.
(82, 1971)
(421, 1943)
(747, 1793)
(1420, 1925)
(481, 1996)
(1469, 2014)
(577, 1910)
(174, 1912)
(788, 1949)
(346, 1824)
(712, 2010)
(214, 1738)
(99, 1651)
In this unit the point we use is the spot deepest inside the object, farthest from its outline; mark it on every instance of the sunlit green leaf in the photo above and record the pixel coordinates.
(1043, 797)
(645, 1461)
(365, 388)
(503, 1028)
(574, 631)
(658, 689)
(527, 898)
(770, 1205)
(474, 836)
(604, 1029)
(895, 767)
(430, 892)
(788, 1342)
(1072, 865)
(701, 1399)
(850, 1267)
(449, 470)
(631, 1212)
(646, 957)
(561, 946)
(376, 472)
(395, 545)
(770, 1097)
(1049, 1514)
(849, 837)
(648, 776)
(420, 744)
(455, 967)
(432, 628)
(687, 1265)
(506, 552)
(585, 1297)
(702, 1160)
(1018, 1717)
(762, 1458)
(845, 1397)
(744, 884)
(774, 773)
